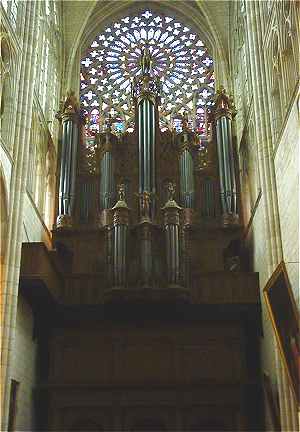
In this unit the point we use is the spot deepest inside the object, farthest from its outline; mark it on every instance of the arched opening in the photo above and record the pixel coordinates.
(4, 218)
(180, 62)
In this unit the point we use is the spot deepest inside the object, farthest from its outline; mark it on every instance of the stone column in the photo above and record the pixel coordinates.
(273, 247)
(264, 136)
(10, 283)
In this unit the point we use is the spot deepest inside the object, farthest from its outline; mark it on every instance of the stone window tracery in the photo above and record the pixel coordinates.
(47, 82)
(11, 9)
(179, 60)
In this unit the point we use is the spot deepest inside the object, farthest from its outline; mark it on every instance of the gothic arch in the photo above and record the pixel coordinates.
(8, 67)
(190, 13)
(4, 215)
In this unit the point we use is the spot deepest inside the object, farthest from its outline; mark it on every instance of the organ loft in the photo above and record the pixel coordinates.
(146, 315)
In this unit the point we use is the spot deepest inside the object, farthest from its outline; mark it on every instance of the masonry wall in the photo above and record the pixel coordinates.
(287, 179)
(265, 77)
(24, 367)
(34, 228)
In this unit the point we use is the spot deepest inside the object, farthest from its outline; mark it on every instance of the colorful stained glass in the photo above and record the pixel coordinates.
(179, 59)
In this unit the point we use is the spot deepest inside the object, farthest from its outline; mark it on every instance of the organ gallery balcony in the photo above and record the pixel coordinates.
(42, 279)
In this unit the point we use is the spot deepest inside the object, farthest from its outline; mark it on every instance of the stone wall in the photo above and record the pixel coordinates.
(23, 366)
(287, 179)
(265, 83)
(34, 228)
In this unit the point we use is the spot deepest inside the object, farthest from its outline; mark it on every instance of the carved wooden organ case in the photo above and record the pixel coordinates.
(140, 212)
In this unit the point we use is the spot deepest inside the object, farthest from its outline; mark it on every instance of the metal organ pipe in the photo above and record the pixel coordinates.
(171, 222)
(68, 162)
(119, 239)
(187, 183)
(107, 184)
(226, 166)
(146, 146)
(224, 112)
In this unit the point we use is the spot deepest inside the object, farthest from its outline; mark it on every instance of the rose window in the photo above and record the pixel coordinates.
(179, 60)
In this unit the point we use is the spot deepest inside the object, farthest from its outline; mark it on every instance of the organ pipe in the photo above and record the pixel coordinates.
(107, 183)
(119, 239)
(68, 161)
(172, 234)
(186, 167)
(224, 112)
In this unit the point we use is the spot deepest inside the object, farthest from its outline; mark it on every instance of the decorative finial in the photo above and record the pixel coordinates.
(170, 191)
(108, 122)
(121, 192)
(145, 199)
(121, 203)
(171, 203)
(71, 104)
(185, 121)
(146, 61)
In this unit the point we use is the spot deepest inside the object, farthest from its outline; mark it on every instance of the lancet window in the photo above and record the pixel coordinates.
(11, 9)
(47, 87)
(179, 60)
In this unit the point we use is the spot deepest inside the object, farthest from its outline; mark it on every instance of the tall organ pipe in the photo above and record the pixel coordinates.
(171, 221)
(107, 183)
(68, 166)
(146, 146)
(119, 241)
(223, 113)
(226, 166)
(187, 183)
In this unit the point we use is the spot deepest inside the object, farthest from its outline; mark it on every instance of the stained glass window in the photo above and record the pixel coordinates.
(179, 59)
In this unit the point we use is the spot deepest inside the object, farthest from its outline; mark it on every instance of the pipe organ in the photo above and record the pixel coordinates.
(224, 111)
(139, 300)
(68, 161)
(172, 177)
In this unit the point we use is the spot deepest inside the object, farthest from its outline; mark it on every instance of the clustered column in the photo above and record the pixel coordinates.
(23, 106)
(273, 247)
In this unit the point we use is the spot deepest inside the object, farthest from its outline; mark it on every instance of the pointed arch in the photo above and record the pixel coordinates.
(3, 215)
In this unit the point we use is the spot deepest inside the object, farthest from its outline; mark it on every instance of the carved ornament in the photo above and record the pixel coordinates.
(64, 221)
(69, 109)
(224, 105)
(120, 215)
